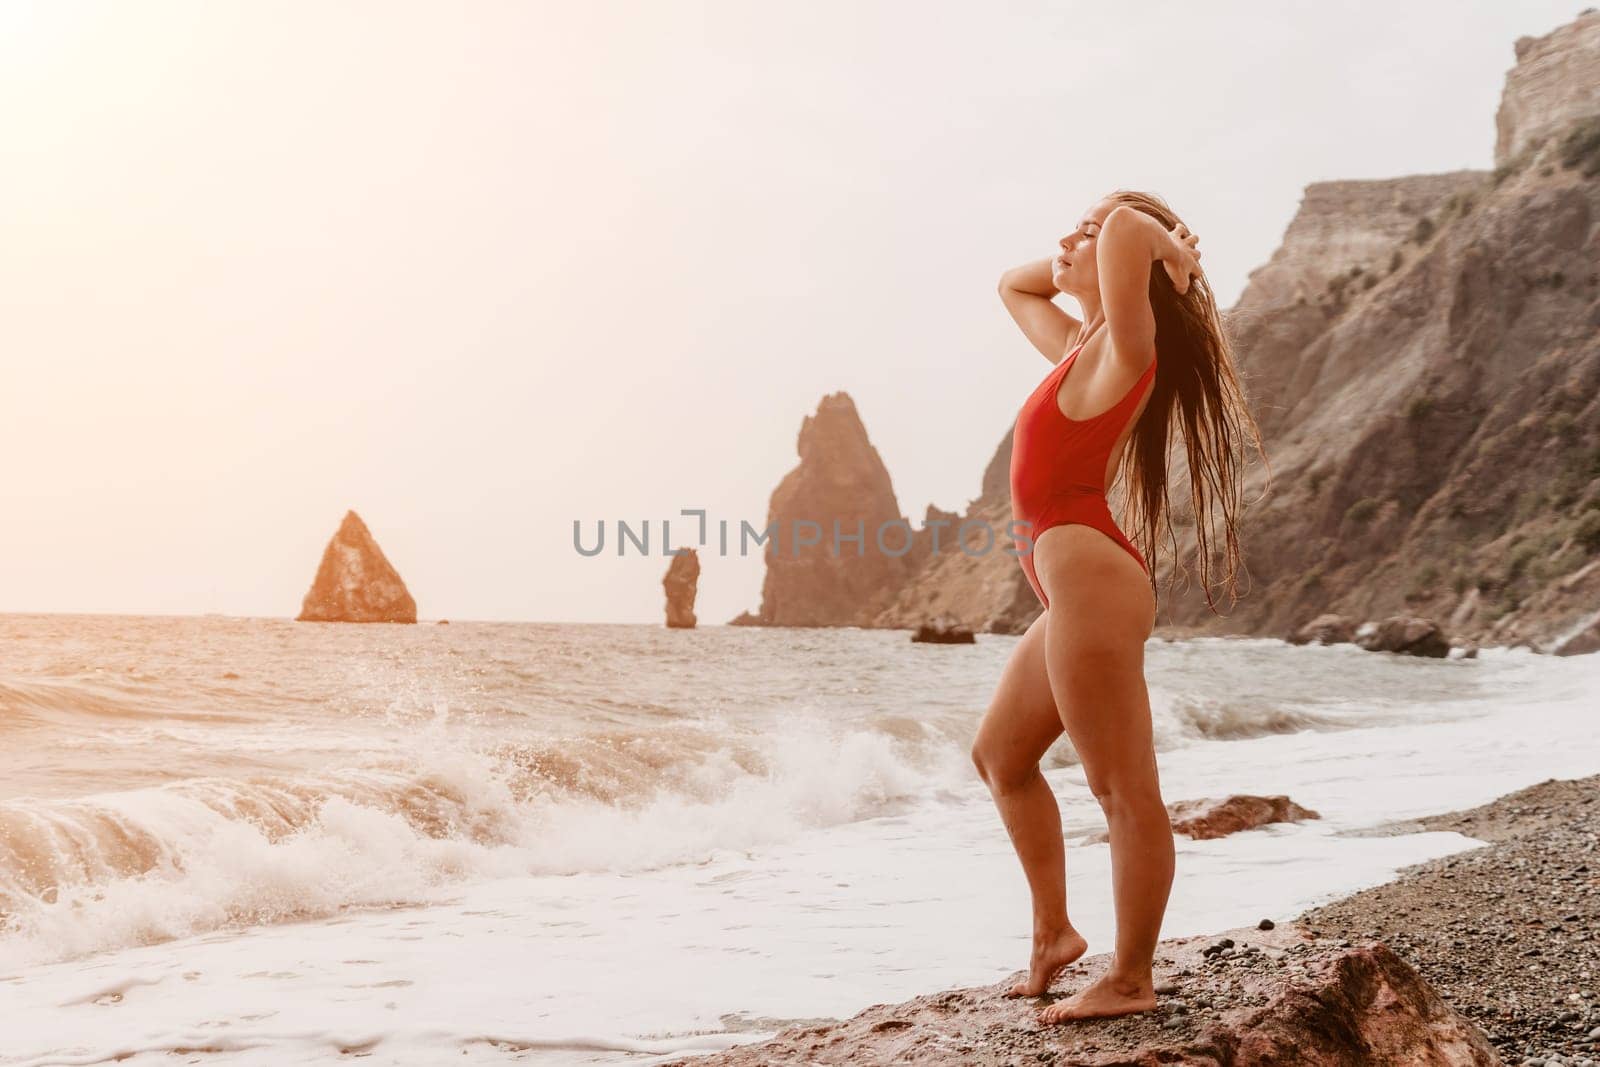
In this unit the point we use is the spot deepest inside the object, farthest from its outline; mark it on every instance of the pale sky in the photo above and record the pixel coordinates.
(478, 270)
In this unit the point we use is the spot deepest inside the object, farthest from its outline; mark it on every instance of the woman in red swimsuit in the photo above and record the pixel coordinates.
(1148, 359)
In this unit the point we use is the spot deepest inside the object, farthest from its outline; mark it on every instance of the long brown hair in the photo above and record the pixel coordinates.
(1197, 381)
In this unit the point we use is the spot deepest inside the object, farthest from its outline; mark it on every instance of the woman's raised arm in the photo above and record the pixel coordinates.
(1029, 294)
(1130, 242)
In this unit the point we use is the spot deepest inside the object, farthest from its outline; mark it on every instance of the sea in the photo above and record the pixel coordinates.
(254, 841)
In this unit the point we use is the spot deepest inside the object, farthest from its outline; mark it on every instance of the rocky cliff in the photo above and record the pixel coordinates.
(1552, 84)
(1422, 354)
(981, 590)
(1431, 410)
(355, 581)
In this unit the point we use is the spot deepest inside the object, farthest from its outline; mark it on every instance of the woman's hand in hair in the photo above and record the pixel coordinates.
(1181, 257)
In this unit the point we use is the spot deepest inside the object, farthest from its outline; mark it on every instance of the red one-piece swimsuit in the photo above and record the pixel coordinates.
(1058, 466)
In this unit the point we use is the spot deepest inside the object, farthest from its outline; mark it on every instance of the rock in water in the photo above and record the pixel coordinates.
(683, 575)
(1204, 818)
(1408, 634)
(943, 630)
(356, 582)
(1325, 629)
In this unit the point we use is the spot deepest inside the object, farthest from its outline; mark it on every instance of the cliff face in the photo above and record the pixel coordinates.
(1432, 421)
(1423, 357)
(355, 581)
(981, 590)
(1552, 84)
(1344, 238)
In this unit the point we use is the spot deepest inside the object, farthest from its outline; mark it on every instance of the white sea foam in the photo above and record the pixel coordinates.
(642, 845)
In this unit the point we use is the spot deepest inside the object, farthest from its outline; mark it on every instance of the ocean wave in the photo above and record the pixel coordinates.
(1237, 718)
(145, 865)
(65, 703)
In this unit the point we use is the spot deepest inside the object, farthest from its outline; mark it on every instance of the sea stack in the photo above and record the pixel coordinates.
(683, 576)
(356, 582)
(833, 572)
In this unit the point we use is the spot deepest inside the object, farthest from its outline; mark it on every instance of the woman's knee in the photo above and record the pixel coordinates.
(1002, 773)
(1136, 796)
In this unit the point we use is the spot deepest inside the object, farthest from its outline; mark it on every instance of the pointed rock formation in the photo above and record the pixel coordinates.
(683, 575)
(355, 581)
(841, 485)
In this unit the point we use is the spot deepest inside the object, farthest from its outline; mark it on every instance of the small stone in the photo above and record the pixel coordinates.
(1166, 986)
(1265, 924)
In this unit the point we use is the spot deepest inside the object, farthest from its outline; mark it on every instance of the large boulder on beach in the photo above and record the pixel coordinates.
(1409, 635)
(1325, 629)
(683, 575)
(356, 582)
(1246, 997)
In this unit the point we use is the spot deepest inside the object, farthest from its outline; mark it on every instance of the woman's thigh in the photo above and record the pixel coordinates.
(1101, 612)
(1021, 722)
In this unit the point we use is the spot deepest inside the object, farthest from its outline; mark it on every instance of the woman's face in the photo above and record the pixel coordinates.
(1074, 269)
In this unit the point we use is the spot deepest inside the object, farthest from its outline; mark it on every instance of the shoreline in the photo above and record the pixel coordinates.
(1481, 957)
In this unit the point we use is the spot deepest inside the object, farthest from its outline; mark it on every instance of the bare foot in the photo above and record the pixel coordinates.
(1103, 997)
(1049, 957)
